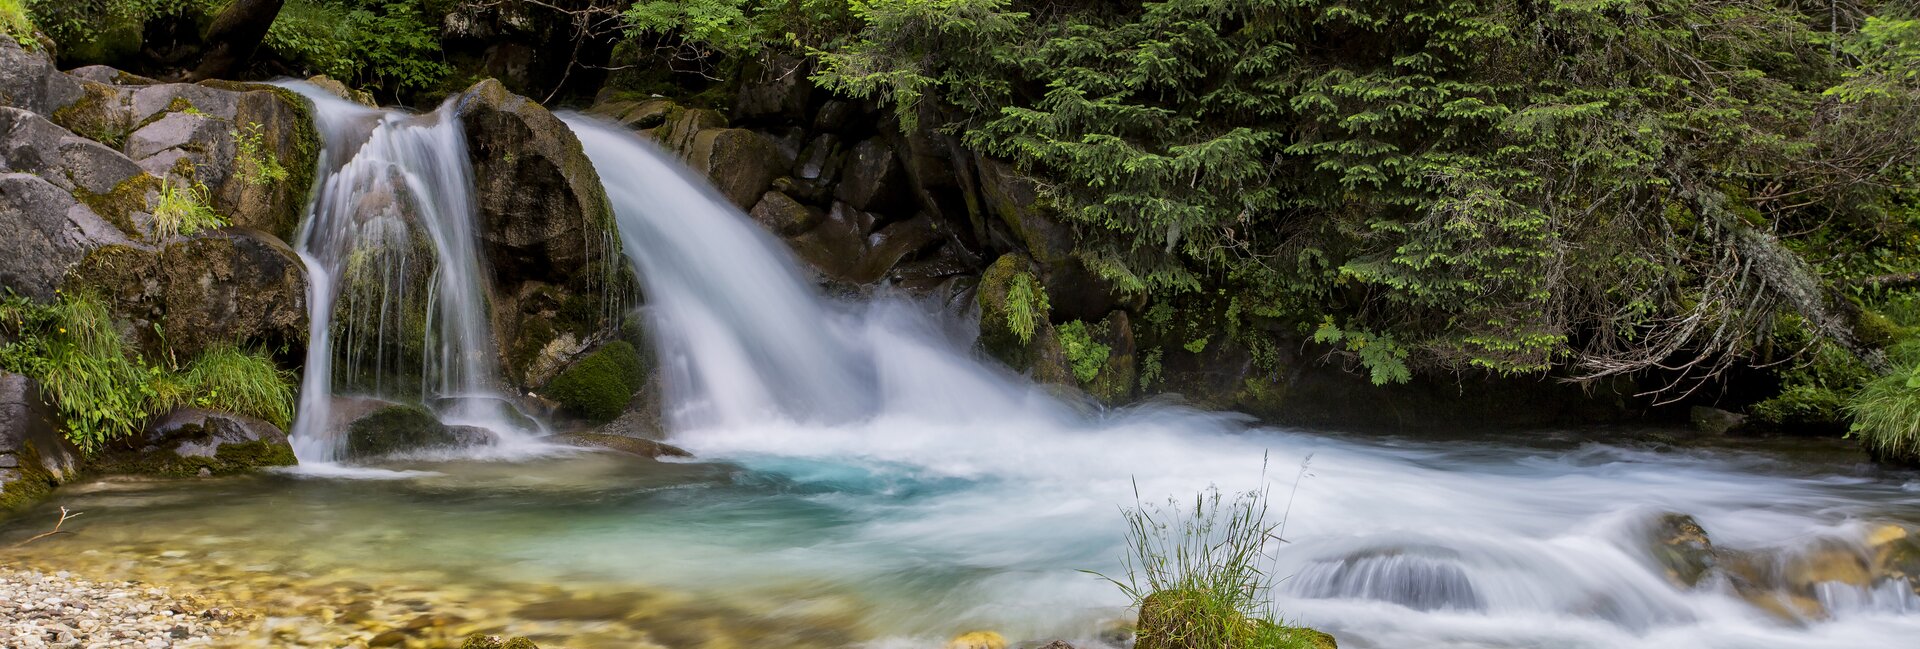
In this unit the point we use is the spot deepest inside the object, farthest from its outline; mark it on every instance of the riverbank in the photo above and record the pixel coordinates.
(54, 610)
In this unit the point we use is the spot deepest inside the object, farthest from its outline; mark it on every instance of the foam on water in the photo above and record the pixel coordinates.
(978, 495)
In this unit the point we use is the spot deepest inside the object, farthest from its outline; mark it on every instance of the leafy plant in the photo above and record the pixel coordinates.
(253, 161)
(228, 378)
(183, 210)
(1085, 354)
(15, 23)
(1384, 359)
(1026, 305)
(389, 44)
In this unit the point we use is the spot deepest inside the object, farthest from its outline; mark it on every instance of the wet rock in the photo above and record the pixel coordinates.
(849, 246)
(599, 385)
(1682, 548)
(336, 88)
(1005, 301)
(622, 444)
(397, 428)
(1715, 421)
(833, 115)
(34, 456)
(482, 641)
(872, 178)
(1119, 373)
(820, 160)
(227, 286)
(783, 215)
(978, 640)
(740, 163)
(677, 133)
(189, 441)
(637, 115)
(542, 209)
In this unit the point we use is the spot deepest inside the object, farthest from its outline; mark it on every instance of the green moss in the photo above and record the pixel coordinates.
(394, 429)
(118, 205)
(30, 484)
(599, 386)
(94, 116)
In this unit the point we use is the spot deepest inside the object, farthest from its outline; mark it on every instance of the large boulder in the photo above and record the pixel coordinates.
(29, 80)
(598, 386)
(872, 179)
(543, 212)
(253, 146)
(198, 442)
(544, 220)
(1014, 323)
(34, 457)
(851, 246)
(47, 232)
(740, 163)
(230, 285)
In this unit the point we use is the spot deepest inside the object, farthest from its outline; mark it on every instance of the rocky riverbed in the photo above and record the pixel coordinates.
(41, 610)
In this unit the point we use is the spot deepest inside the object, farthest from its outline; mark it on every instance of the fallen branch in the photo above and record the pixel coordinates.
(64, 515)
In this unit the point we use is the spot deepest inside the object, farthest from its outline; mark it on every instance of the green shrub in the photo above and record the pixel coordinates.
(599, 386)
(1084, 353)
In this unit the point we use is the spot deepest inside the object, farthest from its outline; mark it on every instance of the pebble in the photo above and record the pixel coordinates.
(58, 611)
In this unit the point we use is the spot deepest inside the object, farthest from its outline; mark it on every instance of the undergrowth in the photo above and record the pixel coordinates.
(104, 389)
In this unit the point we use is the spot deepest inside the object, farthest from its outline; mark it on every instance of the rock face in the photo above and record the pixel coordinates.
(197, 442)
(229, 285)
(545, 222)
(34, 457)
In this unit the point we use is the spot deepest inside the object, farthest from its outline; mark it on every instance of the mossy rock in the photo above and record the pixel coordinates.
(1190, 619)
(599, 385)
(397, 428)
(192, 442)
(483, 641)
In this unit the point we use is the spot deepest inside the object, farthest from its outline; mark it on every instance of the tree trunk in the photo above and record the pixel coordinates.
(234, 36)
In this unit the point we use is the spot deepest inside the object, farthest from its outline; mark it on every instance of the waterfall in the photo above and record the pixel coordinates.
(947, 460)
(397, 280)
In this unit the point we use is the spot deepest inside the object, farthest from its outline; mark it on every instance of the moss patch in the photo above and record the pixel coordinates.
(229, 459)
(25, 484)
(599, 386)
(394, 429)
(94, 116)
(119, 205)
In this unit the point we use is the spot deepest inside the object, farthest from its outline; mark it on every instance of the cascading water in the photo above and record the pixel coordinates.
(990, 493)
(397, 289)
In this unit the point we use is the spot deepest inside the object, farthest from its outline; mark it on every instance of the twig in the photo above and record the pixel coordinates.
(64, 515)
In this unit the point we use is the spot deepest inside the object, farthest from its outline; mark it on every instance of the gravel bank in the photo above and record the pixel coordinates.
(59, 611)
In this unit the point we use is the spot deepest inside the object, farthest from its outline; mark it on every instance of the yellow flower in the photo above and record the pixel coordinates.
(63, 330)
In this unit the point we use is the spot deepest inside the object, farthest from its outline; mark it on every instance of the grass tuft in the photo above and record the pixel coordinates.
(247, 382)
(1886, 414)
(184, 209)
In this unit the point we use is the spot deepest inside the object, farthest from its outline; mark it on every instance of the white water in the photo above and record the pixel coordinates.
(386, 179)
(973, 496)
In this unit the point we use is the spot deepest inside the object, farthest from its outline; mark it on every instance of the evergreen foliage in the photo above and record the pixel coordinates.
(393, 45)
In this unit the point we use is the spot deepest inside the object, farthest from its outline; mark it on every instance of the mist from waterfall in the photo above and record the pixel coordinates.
(964, 492)
(397, 280)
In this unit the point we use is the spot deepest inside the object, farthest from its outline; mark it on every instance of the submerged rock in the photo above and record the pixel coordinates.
(34, 457)
(397, 428)
(1682, 549)
(622, 444)
(199, 442)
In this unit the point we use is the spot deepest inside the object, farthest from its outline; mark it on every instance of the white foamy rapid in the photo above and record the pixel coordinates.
(395, 191)
(973, 496)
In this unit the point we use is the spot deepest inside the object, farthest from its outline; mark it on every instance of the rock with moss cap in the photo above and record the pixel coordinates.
(191, 442)
(598, 386)
(253, 146)
(398, 428)
(1040, 352)
(34, 457)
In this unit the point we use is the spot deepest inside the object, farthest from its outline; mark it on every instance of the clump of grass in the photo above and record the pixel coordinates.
(15, 23)
(242, 381)
(1886, 414)
(1200, 574)
(71, 347)
(184, 209)
(253, 161)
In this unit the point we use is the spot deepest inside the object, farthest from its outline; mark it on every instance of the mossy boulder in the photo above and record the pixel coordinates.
(1185, 619)
(1010, 293)
(783, 215)
(226, 286)
(198, 442)
(34, 457)
(398, 428)
(253, 146)
(598, 386)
